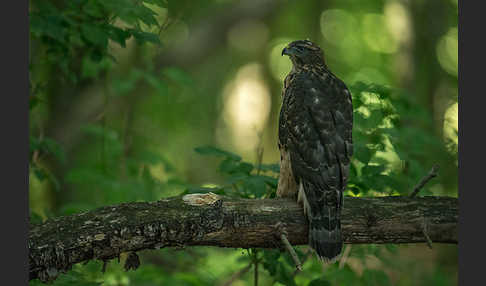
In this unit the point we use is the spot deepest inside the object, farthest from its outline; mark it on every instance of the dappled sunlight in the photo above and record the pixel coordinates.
(342, 30)
(135, 102)
(369, 75)
(377, 35)
(337, 26)
(397, 20)
(390, 156)
(447, 51)
(451, 123)
(40, 199)
(246, 108)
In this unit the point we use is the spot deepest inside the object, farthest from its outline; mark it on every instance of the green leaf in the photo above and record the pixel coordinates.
(48, 146)
(42, 174)
(357, 187)
(75, 278)
(393, 248)
(39, 173)
(270, 167)
(255, 185)
(146, 15)
(149, 157)
(119, 35)
(270, 181)
(372, 170)
(94, 34)
(96, 55)
(100, 131)
(122, 86)
(160, 3)
(319, 282)
(178, 75)
(51, 25)
(270, 261)
(83, 176)
(362, 153)
(230, 166)
(143, 37)
(34, 218)
(33, 101)
(213, 151)
(284, 276)
(375, 277)
(158, 84)
(91, 69)
(93, 8)
(344, 276)
(55, 182)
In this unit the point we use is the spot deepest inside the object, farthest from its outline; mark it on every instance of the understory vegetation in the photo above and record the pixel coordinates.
(141, 100)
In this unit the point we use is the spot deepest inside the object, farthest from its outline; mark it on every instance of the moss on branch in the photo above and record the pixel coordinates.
(207, 219)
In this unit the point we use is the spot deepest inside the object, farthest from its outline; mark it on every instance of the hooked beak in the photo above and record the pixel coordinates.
(286, 51)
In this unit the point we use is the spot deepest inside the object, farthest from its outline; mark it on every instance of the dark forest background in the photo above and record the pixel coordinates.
(135, 100)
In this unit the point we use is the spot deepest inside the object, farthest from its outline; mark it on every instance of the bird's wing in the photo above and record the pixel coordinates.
(318, 125)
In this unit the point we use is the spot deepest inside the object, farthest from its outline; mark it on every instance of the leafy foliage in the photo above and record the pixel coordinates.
(109, 124)
(87, 26)
(244, 179)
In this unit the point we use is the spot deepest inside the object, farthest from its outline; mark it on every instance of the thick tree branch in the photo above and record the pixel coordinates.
(211, 220)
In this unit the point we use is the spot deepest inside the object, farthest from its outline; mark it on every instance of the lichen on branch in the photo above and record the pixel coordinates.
(212, 220)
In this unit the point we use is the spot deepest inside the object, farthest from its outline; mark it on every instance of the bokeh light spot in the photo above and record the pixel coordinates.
(337, 26)
(451, 123)
(447, 52)
(369, 75)
(398, 21)
(342, 31)
(246, 109)
(376, 34)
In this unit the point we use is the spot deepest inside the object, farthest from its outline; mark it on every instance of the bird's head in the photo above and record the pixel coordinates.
(304, 53)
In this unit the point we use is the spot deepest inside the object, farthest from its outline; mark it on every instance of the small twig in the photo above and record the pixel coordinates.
(103, 269)
(237, 275)
(259, 152)
(255, 277)
(288, 246)
(347, 250)
(433, 173)
(308, 254)
(424, 231)
(291, 251)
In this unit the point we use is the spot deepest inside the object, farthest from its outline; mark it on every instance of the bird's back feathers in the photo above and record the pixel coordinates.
(315, 128)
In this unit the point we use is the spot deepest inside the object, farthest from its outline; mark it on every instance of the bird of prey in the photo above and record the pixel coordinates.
(315, 142)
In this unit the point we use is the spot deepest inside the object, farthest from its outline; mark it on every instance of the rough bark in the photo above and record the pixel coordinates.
(207, 219)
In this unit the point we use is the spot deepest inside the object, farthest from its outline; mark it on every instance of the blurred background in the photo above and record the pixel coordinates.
(122, 92)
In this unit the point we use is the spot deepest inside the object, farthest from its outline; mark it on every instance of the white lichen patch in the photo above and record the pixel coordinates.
(159, 245)
(200, 199)
(136, 240)
(268, 209)
(99, 236)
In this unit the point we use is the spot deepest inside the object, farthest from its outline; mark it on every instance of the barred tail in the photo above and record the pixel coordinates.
(324, 226)
(325, 236)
